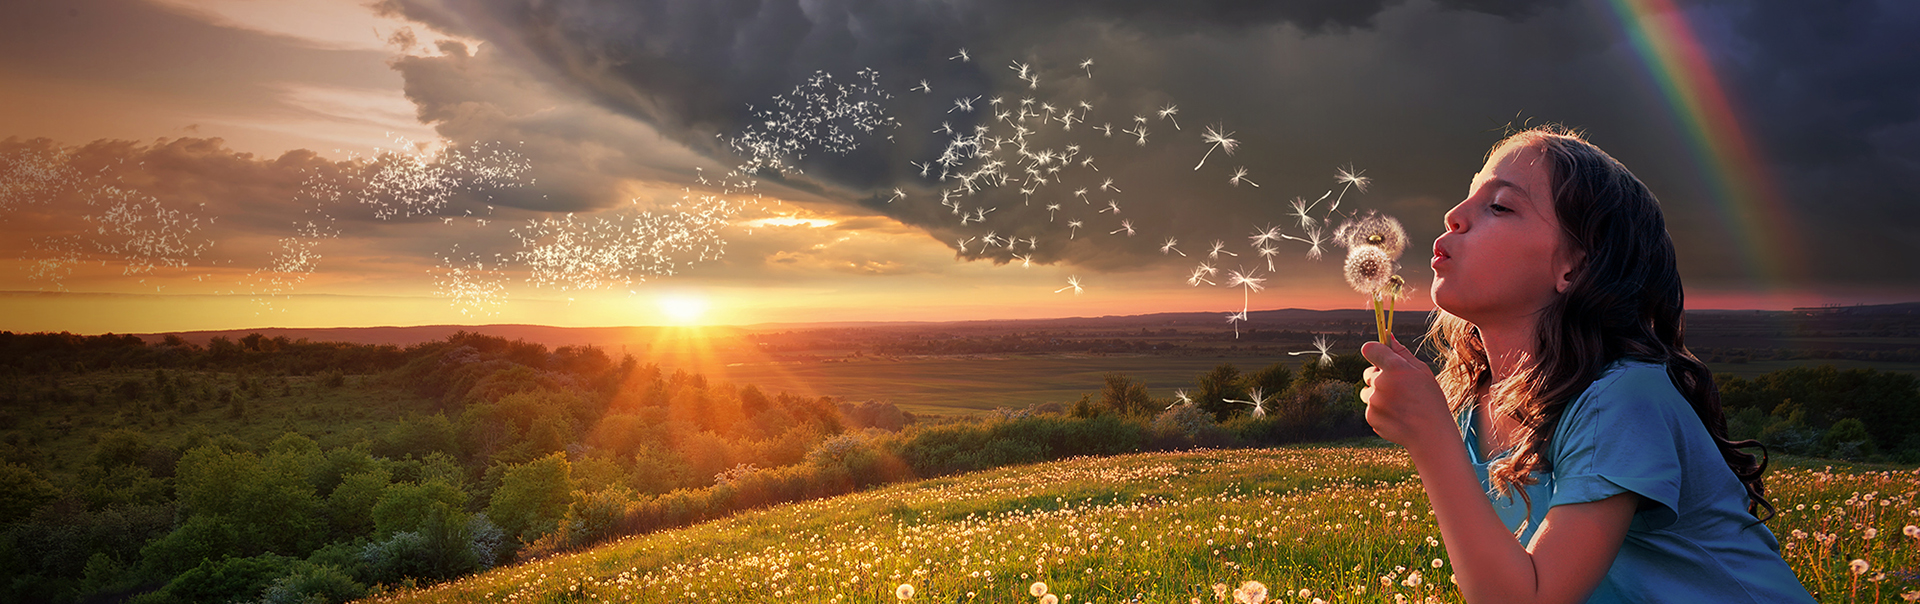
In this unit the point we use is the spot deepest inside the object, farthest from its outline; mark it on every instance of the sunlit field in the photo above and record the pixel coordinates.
(1330, 524)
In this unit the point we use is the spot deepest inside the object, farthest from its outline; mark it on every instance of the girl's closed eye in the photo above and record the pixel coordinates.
(1499, 209)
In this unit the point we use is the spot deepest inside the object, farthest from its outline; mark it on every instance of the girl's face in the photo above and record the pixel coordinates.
(1503, 256)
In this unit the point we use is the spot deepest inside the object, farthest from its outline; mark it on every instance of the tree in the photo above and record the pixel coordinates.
(1275, 380)
(1219, 385)
(1125, 396)
(532, 497)
(22, 491)
(404, 506)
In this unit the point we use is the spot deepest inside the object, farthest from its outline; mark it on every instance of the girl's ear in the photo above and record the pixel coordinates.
(1568, 265)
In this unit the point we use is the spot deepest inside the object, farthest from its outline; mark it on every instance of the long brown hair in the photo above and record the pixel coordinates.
(1624, 300)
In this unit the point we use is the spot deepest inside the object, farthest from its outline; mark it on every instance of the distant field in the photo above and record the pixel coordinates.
(974, 384)
(962, 385)
(1753, 369)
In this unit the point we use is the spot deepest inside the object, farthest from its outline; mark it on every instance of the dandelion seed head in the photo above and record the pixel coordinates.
(1375, 230)
(1368, 269)
(1037, 589)
(1251, 592)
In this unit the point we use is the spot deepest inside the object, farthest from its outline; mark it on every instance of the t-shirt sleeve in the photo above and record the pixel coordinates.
(1623, 435)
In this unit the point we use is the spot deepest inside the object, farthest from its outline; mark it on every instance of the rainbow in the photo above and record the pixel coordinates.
(1744, 191)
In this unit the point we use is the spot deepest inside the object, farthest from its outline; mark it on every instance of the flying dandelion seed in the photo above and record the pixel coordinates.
(1180, 398)
(1320, 346)
(1239, 175)
(1348, 178)
(1088, 66)
(1107, 185)
(1219, 247)
(1200, 275)
(1313, 239)
(1216, 140)
(963, 57)
(1300, 210)
(1169, 247)
(1073, 283)
(1259, 404)
(1167, 113)
(923, 87)
(1126, 226)
(1075, 226)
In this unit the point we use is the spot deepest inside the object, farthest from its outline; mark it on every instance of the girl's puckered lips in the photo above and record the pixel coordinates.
(1439, 255)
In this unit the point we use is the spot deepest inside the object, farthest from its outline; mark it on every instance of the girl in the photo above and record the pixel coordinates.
(1572, 448)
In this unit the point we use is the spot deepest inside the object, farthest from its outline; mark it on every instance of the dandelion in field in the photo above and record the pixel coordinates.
(1218, 141)
(1220, 591)
(1413, 579)
(1037, 589)
(1870, 533)
(1911, 531)
(1436, 563)
(1240, 174)
(1858, 566)
(1251, 592)
(1306, 593)
(1049, 599)
(904, 591)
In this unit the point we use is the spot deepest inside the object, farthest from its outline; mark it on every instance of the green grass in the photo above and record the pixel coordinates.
(1347, 523)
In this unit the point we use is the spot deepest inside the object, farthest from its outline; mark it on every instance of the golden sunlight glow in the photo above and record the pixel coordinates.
(682, 308)
(786, 221)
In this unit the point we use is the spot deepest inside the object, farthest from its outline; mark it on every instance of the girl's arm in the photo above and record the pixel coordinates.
(1572, 549)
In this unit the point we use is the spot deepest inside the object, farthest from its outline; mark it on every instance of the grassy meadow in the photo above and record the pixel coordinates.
(1332, 523)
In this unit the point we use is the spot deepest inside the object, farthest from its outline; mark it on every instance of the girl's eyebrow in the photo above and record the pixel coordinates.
(1497, 182)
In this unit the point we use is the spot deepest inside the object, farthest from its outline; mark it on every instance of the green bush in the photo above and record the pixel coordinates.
(532, 497)
(314, 585)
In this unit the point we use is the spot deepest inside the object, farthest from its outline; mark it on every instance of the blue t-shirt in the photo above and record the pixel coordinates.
(1692, 539)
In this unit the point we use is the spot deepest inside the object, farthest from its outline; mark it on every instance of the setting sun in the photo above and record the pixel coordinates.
(682, 308)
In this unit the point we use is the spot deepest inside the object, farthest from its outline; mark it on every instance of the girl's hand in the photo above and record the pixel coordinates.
(1404, 402)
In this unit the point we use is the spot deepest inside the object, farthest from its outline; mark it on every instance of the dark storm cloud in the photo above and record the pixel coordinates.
(1413, 92)
(1834, 96)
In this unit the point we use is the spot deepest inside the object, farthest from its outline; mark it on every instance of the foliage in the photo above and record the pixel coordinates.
(1883, 402)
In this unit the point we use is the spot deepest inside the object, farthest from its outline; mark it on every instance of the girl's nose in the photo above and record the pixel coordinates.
(1453, 219)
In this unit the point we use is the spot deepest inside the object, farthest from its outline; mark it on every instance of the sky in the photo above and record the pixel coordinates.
(172, 165)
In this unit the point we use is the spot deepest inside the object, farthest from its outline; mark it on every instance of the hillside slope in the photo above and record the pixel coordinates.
(1346, 524)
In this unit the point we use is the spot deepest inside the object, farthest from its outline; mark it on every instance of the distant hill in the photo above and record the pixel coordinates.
(1289, 318)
